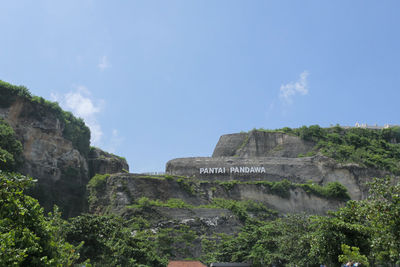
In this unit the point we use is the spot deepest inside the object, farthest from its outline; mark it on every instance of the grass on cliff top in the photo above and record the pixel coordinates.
(75, 129)
(92, 148)
(375, 148)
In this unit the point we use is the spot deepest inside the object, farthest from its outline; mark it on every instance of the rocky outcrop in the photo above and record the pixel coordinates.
(55, 146)
(61, 170)
(318, 169)
(134, 195)
(101, 162)
(122, 190)
(261, 144)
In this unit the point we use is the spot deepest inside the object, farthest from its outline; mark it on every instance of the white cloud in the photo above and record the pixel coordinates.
(289, 90)
(103, 63)
(115, 141)
(81, 104)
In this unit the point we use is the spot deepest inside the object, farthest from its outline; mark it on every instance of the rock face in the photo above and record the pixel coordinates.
(120, 193)
(272, 156)
(261, 144)
(318, 169)
(61, 169)
(122, 190)
(101, 162)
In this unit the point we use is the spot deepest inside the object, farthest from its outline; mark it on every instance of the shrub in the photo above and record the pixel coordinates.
(10, 147)
(27, 237)
(98, 181)
(281, 188)
(367, 147)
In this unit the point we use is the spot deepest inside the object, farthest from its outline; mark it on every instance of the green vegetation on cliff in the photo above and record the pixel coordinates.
(332, 190)
(370, 227)
(366, 231)
(376, 148)
(111, 241)
(96, 188)
(242, 209)
(74, 130)
(27, 237)
(10, 147)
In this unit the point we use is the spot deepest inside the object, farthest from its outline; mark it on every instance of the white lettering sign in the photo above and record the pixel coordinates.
(235, 170)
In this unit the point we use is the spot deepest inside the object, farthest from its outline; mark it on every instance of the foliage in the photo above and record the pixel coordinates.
(332, 190)
(242, 209)
(382, 212)
(10, 147)
(76, 131)
(372, 225)
(10, 92)
(352, 254)
(186, 185)
(328, 234)
(96, 188)
(98, 181)
(377, 148)
(368, 147)
(283, 241)
(312, 133)
(176, 241)
(145, 202)
(108, 241)
(366, 231)
(27, 237)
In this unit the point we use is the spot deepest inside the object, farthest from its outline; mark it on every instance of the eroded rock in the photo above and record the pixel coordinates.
(261, 144)
(101, 162)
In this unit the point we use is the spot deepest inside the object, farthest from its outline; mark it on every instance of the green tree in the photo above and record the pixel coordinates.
(382, 212)
(109, 241)
(10, 147)
(283, 242)
(27, 237)
(329, 233)
(352, 254)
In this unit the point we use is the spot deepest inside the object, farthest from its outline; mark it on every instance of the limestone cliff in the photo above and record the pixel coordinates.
(318, 169)
(261, 144)
(61, 170)
(101, 162)
(276, 154)
(55, 149)
(121, 190)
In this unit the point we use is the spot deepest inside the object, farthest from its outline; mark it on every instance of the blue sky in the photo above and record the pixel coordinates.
(157, 80)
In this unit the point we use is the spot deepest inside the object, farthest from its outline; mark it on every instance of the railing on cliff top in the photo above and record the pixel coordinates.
(153, 173)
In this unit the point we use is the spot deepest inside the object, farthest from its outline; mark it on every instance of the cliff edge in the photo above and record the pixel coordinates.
(56, 149)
